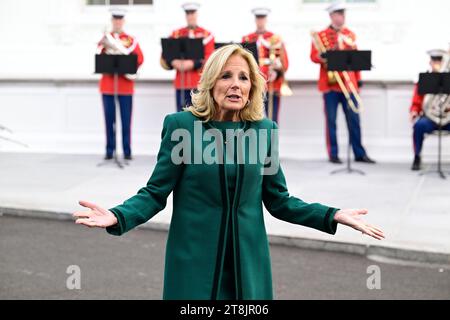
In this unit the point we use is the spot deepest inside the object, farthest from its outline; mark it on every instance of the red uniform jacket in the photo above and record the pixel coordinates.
(190, 79)
(264, 41)
(130, 46)
(417, 101)
(333, 40)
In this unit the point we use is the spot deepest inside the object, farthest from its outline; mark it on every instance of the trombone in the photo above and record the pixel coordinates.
(343, 86)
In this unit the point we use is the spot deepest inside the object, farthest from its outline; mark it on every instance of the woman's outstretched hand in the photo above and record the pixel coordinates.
(96, 217)
(352, 218)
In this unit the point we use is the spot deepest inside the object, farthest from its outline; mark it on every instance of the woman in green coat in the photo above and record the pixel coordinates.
(220, 159)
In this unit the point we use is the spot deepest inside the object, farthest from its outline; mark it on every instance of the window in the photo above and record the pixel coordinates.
(119, 2)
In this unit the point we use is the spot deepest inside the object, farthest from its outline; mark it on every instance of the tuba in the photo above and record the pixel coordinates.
(436, 107)
(115, 47)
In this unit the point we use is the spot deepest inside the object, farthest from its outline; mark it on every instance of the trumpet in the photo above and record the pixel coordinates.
(164, 64)
(276, 50)
(286, 90)
(334, 77)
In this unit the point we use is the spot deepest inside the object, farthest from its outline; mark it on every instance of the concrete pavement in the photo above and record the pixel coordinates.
(413, 210)
(35, 255)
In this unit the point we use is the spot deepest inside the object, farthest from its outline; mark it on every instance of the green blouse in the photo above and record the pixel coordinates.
(227, 289)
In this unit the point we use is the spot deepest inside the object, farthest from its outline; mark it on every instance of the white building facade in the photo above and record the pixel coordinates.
(49, 95)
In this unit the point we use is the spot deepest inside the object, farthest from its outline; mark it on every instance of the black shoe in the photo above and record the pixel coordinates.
(108, 157)
(336, 160)
(365, 159)
(129, 157)
(417, 164)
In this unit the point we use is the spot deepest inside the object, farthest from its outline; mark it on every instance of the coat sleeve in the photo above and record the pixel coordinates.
(283, 206)
(140, 56)
(285, 59)
(100, 47)
(417, 101)
(208, 43)
(315, 55)
(152, 198)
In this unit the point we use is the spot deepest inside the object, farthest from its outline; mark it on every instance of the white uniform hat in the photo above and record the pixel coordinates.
(436, 53)
(336, 6)
(261, 12)
(190, 6)
(118, 12)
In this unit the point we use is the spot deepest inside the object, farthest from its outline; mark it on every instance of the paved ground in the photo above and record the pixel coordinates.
(413, 210)
(35, 254)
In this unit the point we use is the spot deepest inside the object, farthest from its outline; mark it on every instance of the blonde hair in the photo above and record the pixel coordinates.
(203, 104)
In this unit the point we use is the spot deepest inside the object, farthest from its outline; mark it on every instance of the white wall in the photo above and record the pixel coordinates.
(49, 96)
(66, 117)
(57, 38)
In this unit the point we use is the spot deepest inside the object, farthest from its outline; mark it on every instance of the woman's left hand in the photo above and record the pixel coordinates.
(352, 218)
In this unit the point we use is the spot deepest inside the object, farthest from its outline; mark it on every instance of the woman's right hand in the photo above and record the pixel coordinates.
(96, 217)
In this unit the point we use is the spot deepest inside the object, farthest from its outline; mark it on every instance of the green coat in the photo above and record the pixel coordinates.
(195, 244)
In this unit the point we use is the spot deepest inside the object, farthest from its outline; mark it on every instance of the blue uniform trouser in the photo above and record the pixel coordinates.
(422, 127)
(276, 106)
(332, 100)
(186, 102)
(126, 108)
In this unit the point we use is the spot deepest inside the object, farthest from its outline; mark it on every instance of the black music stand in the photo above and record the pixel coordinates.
(250, 46)
(436, 83)
(116, 65)
(184, 49)
(349, 60)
